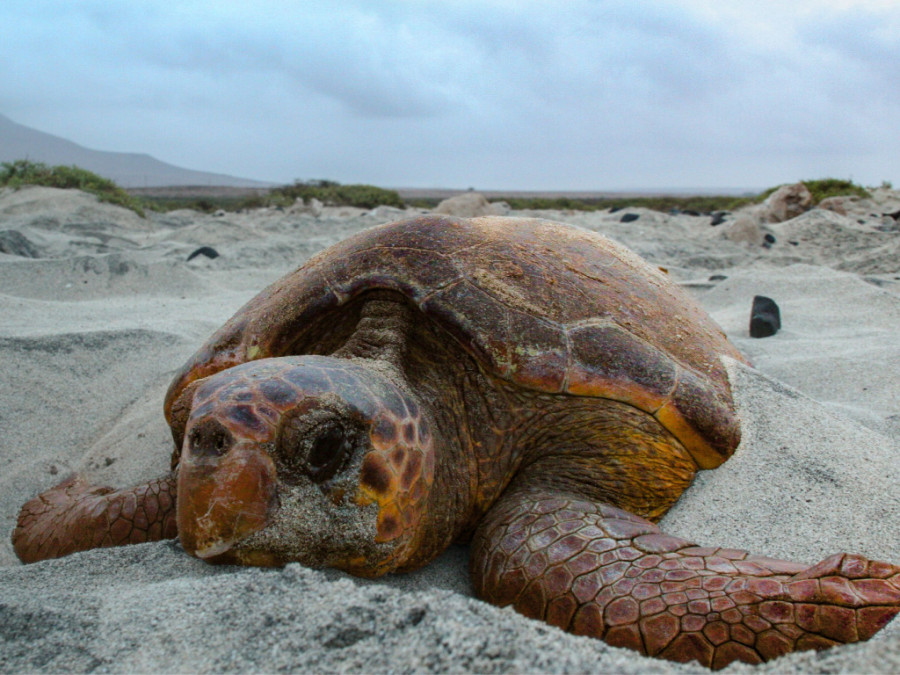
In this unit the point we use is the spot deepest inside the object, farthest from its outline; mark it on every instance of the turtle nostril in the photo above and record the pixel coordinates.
(209, 439)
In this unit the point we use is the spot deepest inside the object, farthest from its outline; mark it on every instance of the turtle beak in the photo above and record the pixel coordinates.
(223, 499)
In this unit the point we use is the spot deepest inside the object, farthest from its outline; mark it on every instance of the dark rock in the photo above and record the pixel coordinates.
(14, 242)
(793, 243)
(895, 215)
(770, 238)
(629, 217)
(765, 317)
(690, 212)
(208, 251)
(718, 277)
(613, 209)
(718, 218)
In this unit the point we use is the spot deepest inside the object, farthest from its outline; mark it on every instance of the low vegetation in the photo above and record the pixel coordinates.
(330, 193)
(826, 187)
(695, 204)
(835, 187)
(24, 172)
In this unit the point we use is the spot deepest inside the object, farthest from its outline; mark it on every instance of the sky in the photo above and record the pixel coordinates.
(519, 95)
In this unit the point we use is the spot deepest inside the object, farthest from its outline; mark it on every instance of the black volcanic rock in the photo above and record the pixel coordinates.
(765, 317)
(208, 251)
(718, 218)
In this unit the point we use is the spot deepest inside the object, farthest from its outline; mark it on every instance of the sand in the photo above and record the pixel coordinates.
(94, 328)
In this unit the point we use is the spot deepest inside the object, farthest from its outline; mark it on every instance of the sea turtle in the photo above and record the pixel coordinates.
(530, 387)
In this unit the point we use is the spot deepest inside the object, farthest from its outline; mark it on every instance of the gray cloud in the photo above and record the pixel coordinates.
(503, 94)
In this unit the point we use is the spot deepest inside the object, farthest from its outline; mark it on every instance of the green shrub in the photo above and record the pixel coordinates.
(331, 193)
(25, 172)
(699, 204)
(825, 187)
(834, 187)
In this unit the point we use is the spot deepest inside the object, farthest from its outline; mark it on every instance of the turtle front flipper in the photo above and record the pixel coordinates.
(75, 516)
(597, 570)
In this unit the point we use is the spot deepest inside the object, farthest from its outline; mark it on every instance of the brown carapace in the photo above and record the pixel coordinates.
(527, 386)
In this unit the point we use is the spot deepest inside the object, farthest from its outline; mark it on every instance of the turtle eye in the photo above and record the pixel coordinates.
(327, 453)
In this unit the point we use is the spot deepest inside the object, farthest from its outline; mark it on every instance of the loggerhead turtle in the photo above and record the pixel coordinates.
(531, 387)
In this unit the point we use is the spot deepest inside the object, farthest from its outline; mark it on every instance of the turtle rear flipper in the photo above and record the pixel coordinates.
(597, 570)
(75, 516)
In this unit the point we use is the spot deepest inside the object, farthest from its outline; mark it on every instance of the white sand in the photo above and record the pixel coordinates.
(91, 333)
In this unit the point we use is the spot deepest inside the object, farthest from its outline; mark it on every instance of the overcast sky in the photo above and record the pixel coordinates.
(609, 94)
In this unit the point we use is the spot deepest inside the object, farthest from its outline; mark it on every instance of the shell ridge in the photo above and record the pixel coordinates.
(599, 321)
(331, 286)
(470, 247)
(428, 296)
(456, 325)
(603, 322)
(565, 382)
(388, 247)
(678, 370)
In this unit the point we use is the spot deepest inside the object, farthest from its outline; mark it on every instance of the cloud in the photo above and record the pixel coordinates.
(577, 94)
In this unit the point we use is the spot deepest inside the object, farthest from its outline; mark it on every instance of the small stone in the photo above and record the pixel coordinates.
(717, 277)
(765, 317)
(718, 218)
(208, 251)
(787, 202)
(629, 217)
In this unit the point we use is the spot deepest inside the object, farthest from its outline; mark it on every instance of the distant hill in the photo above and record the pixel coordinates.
(127, 169)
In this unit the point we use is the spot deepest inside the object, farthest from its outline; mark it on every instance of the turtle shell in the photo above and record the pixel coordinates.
(545, 306)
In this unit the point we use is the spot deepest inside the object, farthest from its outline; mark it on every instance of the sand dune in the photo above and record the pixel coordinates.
(95, 326)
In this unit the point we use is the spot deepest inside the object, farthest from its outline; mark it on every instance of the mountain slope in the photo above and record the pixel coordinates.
(128, 169)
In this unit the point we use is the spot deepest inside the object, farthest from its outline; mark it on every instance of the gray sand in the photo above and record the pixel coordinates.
(93, 331)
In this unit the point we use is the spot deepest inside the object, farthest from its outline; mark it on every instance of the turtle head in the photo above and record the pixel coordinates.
(310, 459)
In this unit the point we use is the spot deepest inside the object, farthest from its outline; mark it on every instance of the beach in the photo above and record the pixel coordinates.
(100, 307)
